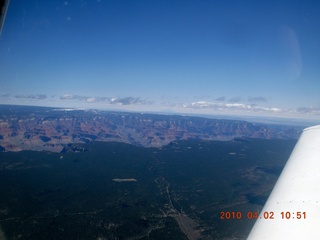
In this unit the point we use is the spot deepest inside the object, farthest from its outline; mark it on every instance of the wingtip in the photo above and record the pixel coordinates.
(316, 127)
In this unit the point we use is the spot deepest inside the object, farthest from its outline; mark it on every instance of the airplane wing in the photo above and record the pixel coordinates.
(292, 210)
(3, 8)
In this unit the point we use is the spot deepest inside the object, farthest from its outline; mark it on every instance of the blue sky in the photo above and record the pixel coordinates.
(259, 58)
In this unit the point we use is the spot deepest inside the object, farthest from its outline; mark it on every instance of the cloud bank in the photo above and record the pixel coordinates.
(32, 97)
(254, 105)
(237, 107)
(106, 100)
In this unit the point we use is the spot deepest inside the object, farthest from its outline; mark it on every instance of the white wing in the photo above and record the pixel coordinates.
(292, 210)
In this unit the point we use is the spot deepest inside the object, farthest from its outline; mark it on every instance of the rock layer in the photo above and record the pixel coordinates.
(49, 129)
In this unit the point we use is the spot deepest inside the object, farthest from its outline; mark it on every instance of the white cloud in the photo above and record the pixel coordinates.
(221, 105)
(119, 101)
(238, 107)
(127, 101)
(83, 98)
(91, 100)
(72, 97)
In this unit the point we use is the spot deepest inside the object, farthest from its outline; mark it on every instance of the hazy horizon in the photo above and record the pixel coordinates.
(193, 57)
(301, 122)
